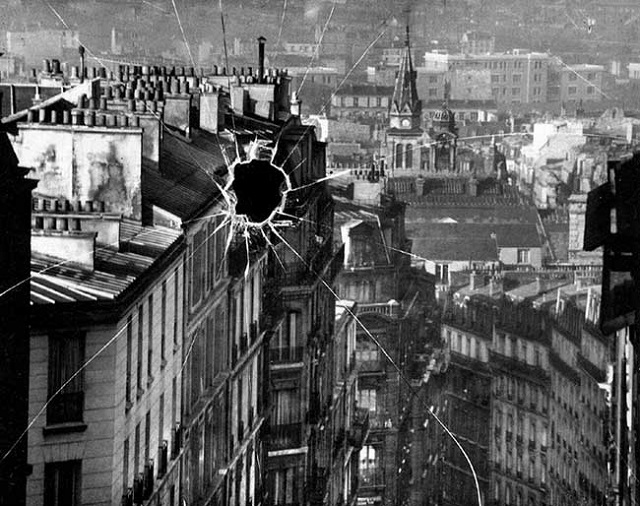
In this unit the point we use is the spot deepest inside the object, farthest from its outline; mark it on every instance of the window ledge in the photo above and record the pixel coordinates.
(64, 428)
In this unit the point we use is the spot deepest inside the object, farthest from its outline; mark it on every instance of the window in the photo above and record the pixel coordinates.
(287, 406)
(523, 256)
(150, 338)
(286, 488)
(433, 79)
(66, 356)
(370, 466)
(129, 358)
(408, 156)
(398, 156)
(367, 399)
(355, 101)
(433, 92)
(140, 343)
(176, 275)
(591, 76)
(163, 319)
(125, 466)
(572, 90)
(515, 91)
(495, 78)
(442, 273)
(517, 78)
(62, 483)
(590, 90)
(198, 274)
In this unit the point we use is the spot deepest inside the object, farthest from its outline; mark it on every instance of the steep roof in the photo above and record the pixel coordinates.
(453, 242)
(186, 181)
(405, 94)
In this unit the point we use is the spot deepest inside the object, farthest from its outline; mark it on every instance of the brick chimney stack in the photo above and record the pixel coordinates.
(81, 51)
(261, 43)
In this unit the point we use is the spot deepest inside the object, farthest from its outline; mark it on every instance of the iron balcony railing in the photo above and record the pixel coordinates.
(286, 354)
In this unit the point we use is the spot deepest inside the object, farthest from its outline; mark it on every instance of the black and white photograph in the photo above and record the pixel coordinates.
(319, 252)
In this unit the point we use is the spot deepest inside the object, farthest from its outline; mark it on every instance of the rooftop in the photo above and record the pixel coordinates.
(56, 282)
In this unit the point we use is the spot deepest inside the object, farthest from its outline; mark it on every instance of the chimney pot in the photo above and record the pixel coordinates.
(89, 206)
(55, 66)
(147, 94)
(101, 120)
(66, 117)
(111, 120)
(42, 115)
(54, 117)
(215, 70)
(75, 117)
(92, 104)
(89, 117)
(31, 116)
(103, 104)
(131, 105)
(142, 106)
(136, 121)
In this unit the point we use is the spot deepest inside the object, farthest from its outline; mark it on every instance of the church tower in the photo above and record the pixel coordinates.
(406, 107)
(407, 143)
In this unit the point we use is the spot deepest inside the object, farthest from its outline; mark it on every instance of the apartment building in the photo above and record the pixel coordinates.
(516, 77)
(15, 195)
(392, 301)
(540, 434)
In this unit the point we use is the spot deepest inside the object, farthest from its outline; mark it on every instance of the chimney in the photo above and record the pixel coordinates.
(473, 280)
(472, 187)
(81, 52)
(261, 43)
(296, 105)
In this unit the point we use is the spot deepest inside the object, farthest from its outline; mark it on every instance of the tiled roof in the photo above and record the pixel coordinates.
(185, 182)
(53, 282)
(469, 241)
(453, 242)
(486, 214)
(364, 89)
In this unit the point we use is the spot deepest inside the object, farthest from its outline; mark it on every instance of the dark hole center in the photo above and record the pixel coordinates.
(258, 188)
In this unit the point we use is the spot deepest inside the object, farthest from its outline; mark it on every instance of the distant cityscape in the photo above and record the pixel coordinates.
(319, 253)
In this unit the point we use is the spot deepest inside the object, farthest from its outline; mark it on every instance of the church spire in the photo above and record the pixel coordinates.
(405, 104)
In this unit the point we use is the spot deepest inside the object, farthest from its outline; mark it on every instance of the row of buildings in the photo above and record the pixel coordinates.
(170, 346)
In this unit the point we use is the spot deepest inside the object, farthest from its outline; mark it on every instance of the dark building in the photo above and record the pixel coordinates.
(393, 301)
(15, 248)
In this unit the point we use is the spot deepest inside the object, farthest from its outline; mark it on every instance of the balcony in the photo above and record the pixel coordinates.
(65, 408)
(287, 435)
(359, 429)
(286, 355)
(391, 309)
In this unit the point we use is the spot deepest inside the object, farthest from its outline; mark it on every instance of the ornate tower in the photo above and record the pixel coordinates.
(407, 143)
(405, 105)
(445, 136)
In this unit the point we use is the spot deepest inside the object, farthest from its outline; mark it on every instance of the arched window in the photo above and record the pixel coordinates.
(398, 156)
(408, 156)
